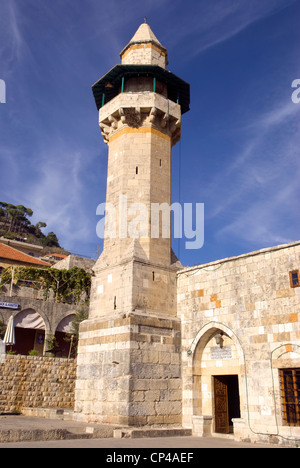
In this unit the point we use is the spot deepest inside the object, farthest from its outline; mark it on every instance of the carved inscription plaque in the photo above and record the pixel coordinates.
(218, 353)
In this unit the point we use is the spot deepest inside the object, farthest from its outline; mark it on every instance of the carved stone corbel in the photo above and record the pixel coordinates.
(122, 115)
(105, 129)
(113, 121)
(175, 125)
(164, 121)
(138, 113)
(153, 113)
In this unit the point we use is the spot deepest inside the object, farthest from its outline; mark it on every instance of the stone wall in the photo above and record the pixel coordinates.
(36, 382)
(72, 261)
(250, 302)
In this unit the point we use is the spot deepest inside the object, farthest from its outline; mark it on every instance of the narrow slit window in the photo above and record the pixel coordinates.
(136, 170)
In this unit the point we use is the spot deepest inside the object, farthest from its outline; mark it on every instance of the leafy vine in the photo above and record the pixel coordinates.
(67, 285)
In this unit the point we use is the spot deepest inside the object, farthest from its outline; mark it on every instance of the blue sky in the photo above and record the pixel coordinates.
(240, 142)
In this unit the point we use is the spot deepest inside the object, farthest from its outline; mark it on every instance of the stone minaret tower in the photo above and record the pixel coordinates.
(129, 350)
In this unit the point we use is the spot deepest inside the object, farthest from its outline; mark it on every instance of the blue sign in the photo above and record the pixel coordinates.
(7, 305)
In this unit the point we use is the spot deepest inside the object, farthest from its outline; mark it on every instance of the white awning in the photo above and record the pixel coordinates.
(65, 325)
(29, 318)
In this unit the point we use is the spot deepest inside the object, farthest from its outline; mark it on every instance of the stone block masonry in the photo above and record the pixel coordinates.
(129, 371)
(129, 354)
(250, 303)
(36, 382)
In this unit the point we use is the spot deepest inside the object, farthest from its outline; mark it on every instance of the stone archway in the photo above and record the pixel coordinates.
(64, 329)
(218, 379)
(30, 332)
(285, 360)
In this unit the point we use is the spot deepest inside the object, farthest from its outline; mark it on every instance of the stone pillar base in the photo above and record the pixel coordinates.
(129, 370)
(239, 429)
(202, 426)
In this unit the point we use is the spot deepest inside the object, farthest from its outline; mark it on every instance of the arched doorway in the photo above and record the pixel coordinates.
(29, 332)
(63, 329)
(218, 367)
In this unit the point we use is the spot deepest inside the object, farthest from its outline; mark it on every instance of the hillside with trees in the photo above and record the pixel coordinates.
(15, 224)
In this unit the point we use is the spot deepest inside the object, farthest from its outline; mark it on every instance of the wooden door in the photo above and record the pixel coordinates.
(221, 405)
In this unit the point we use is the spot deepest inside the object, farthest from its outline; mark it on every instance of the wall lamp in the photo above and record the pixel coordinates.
(219, 339)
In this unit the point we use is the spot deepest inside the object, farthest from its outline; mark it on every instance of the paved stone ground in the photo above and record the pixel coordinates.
(29, 429)
(29, 432)
(163, 443)
(30, 423)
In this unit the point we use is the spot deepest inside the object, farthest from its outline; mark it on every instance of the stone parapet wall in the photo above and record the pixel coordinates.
(36, 382)
(26, 292)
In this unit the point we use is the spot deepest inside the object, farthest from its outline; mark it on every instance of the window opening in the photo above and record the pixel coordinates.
(295, 279)
(290, 396)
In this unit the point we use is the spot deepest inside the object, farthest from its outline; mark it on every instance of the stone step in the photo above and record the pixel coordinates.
(39, 434)
(64, 414)
(138, 433)
(100, 431)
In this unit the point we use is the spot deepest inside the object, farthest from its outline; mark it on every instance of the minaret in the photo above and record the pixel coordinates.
(129, 349)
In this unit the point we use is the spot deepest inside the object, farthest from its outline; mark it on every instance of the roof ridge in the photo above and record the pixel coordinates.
(22, 255)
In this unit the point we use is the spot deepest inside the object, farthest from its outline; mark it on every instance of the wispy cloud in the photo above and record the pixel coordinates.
(57, 193)
(215, 22)
(13, 46)
(265, 191)
(54, 186)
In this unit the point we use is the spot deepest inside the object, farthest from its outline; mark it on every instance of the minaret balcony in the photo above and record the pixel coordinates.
(140, 109)
(119, 80)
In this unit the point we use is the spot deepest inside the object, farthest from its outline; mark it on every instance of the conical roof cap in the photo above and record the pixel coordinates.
(143, 37)
(144, 34)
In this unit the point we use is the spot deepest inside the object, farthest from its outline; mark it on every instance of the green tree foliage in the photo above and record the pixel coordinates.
(14, 221)
(51, 240)
(2, 329)
(73, 337)
(70, 286)
(15, 218)
(80, 316)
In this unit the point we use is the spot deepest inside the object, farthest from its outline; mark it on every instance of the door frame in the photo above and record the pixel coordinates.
(193, 374)
(226, 406)
(221, 407)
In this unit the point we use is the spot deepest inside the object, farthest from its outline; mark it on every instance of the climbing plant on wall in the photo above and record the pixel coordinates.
(67, 285)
